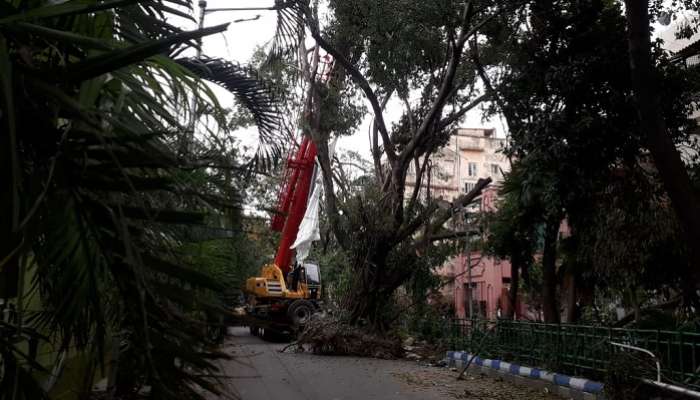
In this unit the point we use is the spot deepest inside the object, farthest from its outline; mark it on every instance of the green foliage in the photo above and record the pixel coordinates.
(641, 237)
(565, 91)
(567, 96)
(228, 261)
(428, 322)
(403, 40)
(342, 110)
(511, 231)
(95, 197)
(532, 286)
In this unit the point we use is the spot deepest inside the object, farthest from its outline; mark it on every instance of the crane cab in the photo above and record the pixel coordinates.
(303, 282)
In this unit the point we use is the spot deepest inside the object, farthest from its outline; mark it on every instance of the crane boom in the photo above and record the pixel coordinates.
(293, 201)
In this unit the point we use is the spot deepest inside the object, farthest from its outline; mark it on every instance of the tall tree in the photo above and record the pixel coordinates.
(667, 159)
(393, 49)
(560, 75)
(511, 234)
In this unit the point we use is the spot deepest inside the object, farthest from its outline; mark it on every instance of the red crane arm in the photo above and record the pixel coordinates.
(293, 200)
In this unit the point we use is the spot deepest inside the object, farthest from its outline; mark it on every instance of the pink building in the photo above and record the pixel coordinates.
(490, 281)
(490, 278)
(471, 154)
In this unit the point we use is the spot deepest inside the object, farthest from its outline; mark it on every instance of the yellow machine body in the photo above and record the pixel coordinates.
(271, 284)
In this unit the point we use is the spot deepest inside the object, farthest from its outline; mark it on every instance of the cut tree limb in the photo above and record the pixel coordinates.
(462, 201)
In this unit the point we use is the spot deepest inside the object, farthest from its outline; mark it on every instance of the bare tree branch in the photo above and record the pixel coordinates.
(461, 202)
(459, 114)
(474, 50)
(356, 75)
(352, 164)
(340, 179)
(376, 152)
(474, 263)
(409, 114)
(420, 170)
(445, 89)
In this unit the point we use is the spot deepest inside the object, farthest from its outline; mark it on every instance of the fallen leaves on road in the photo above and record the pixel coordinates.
(474, 387)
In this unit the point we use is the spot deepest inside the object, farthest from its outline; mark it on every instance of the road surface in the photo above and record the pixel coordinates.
(260, 372)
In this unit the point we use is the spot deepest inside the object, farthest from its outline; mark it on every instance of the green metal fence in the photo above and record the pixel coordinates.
(578, 349)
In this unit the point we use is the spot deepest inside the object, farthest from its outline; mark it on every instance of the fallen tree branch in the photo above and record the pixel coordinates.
(630, 317)
(478, 350)
(328, 335)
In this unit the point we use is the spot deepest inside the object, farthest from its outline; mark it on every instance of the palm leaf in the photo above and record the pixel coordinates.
(59, 35)
(258, 98)
(68, 8)
(106, 196)
(116, 59)
(290, 25)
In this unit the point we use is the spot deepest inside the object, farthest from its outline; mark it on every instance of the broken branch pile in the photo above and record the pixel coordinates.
(330, 336)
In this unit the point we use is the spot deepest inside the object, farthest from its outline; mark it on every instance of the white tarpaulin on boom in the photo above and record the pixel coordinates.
(308, 229)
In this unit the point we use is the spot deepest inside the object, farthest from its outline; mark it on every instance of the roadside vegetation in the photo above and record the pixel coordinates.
(118, 179)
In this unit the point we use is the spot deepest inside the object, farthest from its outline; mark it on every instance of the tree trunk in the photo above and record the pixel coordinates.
(367, 307)
(515, 263)
(9, 199)
(666, 157)
(572, 313)
(367, 299)
(549, 273)
(634, 302)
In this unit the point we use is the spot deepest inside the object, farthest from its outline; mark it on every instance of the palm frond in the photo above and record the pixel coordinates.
(259, 98)
(113, 60)
(288, 31)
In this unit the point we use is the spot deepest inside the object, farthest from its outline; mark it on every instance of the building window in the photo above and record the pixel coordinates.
(495, 169)
(469, 186)
(471, 169)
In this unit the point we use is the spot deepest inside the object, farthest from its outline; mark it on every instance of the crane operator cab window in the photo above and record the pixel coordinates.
(309, 274)
(313, 279)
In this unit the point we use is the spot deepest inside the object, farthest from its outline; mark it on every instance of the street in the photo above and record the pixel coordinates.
(260, 372)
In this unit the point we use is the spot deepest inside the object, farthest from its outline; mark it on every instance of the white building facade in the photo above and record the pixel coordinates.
(471, 154)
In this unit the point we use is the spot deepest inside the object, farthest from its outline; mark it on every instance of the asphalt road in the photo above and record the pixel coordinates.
(260, 372)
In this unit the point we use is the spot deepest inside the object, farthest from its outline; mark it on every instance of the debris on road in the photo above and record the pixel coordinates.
(413, 356)
(329, 336)
(477, 387)
(295, 376)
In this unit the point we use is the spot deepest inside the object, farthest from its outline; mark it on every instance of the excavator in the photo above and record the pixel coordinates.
(286, 294)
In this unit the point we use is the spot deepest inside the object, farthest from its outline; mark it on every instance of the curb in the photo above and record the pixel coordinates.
(564, 385)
